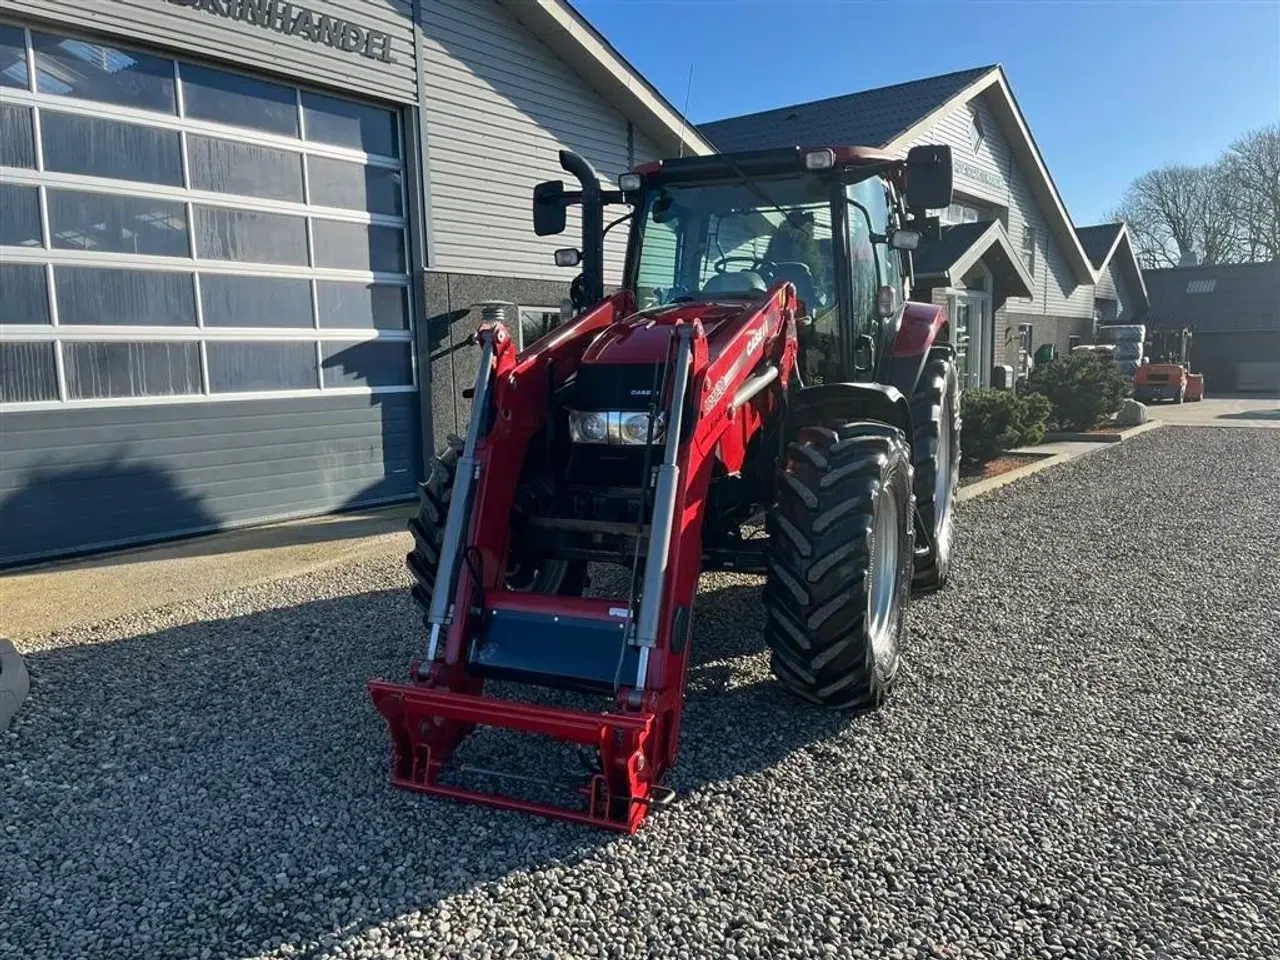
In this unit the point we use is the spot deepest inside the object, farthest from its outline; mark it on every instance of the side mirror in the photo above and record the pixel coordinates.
(568, 257)
(904, 240)
(548, 208)
(929, 177)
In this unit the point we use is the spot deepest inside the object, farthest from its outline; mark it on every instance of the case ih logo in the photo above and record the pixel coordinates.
(297, 21)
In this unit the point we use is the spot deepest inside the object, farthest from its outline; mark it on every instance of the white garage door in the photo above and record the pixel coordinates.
(173, 233)
(1257, 375)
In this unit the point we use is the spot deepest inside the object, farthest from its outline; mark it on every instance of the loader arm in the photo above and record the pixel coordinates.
(718, 398)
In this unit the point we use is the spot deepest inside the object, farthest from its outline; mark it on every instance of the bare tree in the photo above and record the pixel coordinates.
(1223, 212)
(1177, 210)
(1251, 169)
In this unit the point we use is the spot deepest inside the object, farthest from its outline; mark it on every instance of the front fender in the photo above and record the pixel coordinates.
(922, 326)
(832, 404)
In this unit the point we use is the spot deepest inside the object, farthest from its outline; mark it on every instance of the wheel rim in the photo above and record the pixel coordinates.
(943, 477)
(882, 597)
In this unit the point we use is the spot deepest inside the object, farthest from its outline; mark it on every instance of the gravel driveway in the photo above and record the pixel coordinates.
(1081, 762)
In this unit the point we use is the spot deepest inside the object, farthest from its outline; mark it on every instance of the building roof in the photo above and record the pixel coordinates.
(964, 244)
(871, 118)
(1103, 241)
(572, 37)
(1098, 241)
(894, 117)
(1234, 298)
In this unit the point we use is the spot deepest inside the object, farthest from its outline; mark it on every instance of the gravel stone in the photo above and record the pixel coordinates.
(1079, 763)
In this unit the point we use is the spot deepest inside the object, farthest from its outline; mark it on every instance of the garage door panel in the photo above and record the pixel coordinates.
(190, 255)
(91, 495)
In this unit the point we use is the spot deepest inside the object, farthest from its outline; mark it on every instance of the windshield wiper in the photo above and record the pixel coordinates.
(755, 188)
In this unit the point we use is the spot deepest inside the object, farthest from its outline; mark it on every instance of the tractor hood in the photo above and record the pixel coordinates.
(626, 361)
(645, 336)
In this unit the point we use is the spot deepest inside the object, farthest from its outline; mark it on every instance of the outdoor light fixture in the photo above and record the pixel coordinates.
(819, 160)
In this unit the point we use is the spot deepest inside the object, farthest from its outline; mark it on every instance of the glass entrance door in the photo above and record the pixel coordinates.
(970, 322)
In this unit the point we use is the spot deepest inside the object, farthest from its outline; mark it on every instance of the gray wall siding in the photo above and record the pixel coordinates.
(81, 479)
(450, 325)
(199, 33)
(499, 108)
(1112, 285)
(991, 174)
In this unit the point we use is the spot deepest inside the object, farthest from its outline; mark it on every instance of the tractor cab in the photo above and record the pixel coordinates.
(838, 224)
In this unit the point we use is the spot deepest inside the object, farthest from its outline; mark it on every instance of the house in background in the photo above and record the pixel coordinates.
(1010, 266)
(1233, 315)
(1120, 294)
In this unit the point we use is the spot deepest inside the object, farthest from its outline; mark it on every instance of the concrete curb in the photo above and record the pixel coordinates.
(1109, 436)
(969, 491)
(14, 682)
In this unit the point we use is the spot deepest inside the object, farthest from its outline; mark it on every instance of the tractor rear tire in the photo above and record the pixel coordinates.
(549, 577)
(935, 418)
(840, 558)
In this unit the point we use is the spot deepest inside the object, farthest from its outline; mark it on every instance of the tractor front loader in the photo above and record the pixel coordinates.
(760, 359)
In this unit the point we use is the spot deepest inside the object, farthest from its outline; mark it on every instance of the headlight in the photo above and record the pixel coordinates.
(589, 427)
(634, 428)
(615, 427)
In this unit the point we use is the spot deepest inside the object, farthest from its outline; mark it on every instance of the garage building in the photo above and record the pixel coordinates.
(242, 240)
(1232, 312)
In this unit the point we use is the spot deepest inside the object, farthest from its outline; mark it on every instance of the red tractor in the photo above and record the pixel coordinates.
(761, 360)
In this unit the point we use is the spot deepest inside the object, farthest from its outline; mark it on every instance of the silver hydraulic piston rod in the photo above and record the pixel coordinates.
(664, 510)
(458, 520)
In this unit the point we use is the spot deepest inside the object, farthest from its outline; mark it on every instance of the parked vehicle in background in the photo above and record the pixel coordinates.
(1195, 386)
(1161, 381)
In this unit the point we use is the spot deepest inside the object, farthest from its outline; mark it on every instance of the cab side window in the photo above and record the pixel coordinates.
(872, 195)
(865, 264)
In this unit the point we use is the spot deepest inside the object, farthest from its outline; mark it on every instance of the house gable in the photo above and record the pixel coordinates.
(499, 104)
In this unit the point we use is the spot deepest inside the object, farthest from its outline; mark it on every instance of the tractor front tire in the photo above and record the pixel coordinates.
(935, 419)
(840, 559)
(427, 527)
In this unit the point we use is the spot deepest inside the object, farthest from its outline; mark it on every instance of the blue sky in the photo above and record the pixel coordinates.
(1110, 88)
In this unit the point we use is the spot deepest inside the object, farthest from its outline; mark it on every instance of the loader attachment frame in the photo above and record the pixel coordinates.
(481, 630)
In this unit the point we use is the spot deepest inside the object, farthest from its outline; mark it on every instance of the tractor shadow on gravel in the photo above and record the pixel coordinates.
(222, 784)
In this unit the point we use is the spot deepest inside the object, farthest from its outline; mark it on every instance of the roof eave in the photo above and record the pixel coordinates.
(569, 35)
(994, 235)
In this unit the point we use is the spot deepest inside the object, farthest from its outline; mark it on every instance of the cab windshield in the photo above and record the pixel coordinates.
(705, 241)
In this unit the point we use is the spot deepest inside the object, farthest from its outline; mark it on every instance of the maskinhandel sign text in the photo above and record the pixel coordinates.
(298, 21)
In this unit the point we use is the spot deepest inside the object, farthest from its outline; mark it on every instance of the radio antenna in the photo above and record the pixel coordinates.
(685, 113)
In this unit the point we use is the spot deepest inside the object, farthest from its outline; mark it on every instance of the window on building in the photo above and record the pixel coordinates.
(17, 137)
(105, 296)
(13, 57)
(254, 230)
(1029, 248)
(1025, 348)
(69, 67)
(536, 323)
(960, 212)
(109, 370)
(25, 297)
(27, 372)
(94, 147)
(976, 132)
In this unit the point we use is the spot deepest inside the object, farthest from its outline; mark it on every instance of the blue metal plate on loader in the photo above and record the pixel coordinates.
(573, 653)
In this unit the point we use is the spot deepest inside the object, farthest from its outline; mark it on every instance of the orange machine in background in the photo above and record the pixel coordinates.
(1167, 381)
